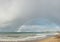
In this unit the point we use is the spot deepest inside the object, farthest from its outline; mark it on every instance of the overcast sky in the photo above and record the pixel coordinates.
(39, 25)
(14, 13)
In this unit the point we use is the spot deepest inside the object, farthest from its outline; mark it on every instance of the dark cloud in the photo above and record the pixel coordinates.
(25, 10)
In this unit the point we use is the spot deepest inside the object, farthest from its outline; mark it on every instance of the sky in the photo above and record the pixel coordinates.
(39, 25)
(15, 13)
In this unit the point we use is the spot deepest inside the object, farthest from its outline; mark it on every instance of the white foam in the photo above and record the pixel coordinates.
(38, 36)
(28, 38)
(56, 33)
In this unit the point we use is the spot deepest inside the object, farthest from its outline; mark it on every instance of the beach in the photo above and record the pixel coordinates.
(50, 39)
(28, 37)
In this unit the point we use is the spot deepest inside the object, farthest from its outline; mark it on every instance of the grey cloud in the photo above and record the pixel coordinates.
(26, 10)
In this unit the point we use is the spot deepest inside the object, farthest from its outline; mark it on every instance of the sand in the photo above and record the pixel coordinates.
(50, 39)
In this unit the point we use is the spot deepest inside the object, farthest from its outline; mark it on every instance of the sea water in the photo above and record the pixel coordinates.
(24, 36)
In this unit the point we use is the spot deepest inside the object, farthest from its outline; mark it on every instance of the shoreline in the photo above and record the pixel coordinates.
(35, 40)
(17, 40)
(50, 39)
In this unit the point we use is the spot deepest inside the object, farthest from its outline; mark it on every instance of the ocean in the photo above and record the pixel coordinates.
(24, 36)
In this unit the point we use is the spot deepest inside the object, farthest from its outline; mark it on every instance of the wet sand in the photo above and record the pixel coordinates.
(50, 39)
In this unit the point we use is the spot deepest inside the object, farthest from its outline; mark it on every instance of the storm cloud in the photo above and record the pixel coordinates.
(14, 13)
